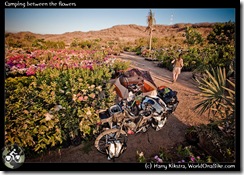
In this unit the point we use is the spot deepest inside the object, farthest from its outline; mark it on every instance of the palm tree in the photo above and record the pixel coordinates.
(150, 27)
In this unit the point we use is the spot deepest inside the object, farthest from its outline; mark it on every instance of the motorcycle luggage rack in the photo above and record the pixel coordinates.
(116, 113)
(105, 117)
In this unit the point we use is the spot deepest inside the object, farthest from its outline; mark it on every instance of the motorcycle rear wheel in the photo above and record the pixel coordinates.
(102, 141)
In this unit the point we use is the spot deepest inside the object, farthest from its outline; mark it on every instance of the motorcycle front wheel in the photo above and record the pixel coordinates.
(109, 136)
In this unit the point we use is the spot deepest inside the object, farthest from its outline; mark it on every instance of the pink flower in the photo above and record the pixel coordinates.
(156, 157)
(80, 98)
(160, 160)
(85, 98)
(20, 66)
(89, 67)
(193, 159)
(31, 71)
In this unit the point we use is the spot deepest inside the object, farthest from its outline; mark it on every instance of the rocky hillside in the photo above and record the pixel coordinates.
(119, 33)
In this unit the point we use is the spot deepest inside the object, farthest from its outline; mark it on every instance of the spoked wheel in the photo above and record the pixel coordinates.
(109, 136)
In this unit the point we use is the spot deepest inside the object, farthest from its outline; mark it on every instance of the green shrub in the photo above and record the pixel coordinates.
(27, 121)
(54, 106)
(120, 65)
(218, 144)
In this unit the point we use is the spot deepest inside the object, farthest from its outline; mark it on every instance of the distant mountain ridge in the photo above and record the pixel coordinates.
(125, 33)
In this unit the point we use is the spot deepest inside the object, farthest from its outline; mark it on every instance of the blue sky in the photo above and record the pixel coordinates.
(58, 21)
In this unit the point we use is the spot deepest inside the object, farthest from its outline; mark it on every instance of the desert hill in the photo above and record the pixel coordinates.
(125, 33)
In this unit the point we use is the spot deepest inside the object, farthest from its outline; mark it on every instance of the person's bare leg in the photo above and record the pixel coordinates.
(173, 77)
(176, 77)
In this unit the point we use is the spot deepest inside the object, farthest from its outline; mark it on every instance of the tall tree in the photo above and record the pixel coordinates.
(150, 27)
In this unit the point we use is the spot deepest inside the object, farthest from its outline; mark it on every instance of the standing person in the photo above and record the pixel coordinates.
(178, 64)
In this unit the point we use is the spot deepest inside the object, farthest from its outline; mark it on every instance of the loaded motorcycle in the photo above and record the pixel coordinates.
(133, 115)
(163, 103)
(120, 123)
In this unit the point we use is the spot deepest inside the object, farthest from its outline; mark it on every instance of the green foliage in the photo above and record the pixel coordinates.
(38, 43)
(140, 157)
(166, 56)
(120, 65)
(182, 153)
(54, 45)
(74, 43)
(141, 42)
(18, 42)
(192, 154)
(192, 36)
(218, 145)
(220, 52)
(191, 59)
(29, 41)
(27, 122)
(55, 106)
(219, 135)
(164, 155)
(222, 34)
(85, 44)
(218, 98)
(42, 44)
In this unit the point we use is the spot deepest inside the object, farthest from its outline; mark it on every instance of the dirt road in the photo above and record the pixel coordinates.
(152, 141)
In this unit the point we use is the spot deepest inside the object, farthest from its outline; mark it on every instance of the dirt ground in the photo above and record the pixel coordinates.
(152, 141)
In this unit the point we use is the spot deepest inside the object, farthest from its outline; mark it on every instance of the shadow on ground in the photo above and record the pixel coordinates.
(149, 143)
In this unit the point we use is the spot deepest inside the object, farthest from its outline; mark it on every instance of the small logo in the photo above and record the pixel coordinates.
(13, 156)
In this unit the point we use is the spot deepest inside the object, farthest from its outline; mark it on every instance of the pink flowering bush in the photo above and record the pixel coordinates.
(19, 62)
(53, 96)
(55, 106)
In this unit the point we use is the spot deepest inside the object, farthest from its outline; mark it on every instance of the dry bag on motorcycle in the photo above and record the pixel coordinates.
(109, 116)
(167, 94)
